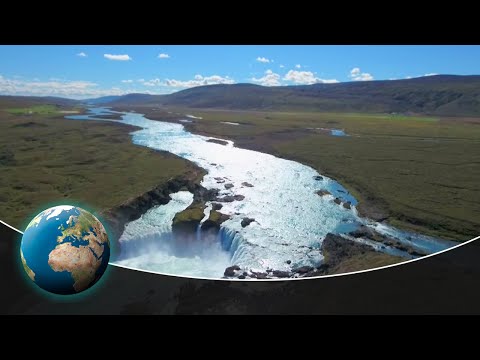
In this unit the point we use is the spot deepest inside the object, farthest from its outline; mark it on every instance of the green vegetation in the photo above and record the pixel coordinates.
(45, 159)
(83, 222)
(191, 214)
(342, 255)
(17, 102)
(368, 260)
(426, 182)
(34, 110)
(413, 181)
(216, 217)
(420, 172)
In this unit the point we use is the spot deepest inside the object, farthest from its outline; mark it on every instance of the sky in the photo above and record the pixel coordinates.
(86, 71)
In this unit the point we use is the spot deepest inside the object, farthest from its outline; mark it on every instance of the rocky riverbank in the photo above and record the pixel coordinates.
(130, 210)
(341, 255)
(370, 234)
(186, 223)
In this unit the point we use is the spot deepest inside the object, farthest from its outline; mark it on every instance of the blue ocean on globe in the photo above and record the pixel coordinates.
(65, 250)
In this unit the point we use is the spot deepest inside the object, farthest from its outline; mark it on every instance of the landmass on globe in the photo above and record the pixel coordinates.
(65, 250)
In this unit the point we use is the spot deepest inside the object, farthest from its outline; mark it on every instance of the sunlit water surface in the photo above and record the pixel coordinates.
(291, 220)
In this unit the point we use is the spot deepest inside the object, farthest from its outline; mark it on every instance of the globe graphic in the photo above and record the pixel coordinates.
(65, 250)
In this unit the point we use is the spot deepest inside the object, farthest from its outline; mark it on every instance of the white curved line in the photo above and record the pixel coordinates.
(301, 278)
(11, 227)
(282, 279)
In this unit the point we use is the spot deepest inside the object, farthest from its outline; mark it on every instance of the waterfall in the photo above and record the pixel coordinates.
(198, 235)
(232, 242)
(153, 230)
(225, 237)
(145, 242)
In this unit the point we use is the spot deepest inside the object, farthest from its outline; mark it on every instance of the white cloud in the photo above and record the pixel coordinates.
(357, 75)
(82, 54)
(198, 80)
(282, 66)
(298, 66)
(355, 72)
(152, 82)
(61, 88)
(408, 77)
(263, 60)
(306, 78)
(270, 79)
(127, 81)
(124, 57)
(163, 56)
(430, 74)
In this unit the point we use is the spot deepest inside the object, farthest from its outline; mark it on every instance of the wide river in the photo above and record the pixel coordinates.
(291, 220)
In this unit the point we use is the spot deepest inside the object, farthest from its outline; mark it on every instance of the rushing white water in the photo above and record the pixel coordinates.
(147, 243)
(193, 117)
(148, 232)
(291, 220)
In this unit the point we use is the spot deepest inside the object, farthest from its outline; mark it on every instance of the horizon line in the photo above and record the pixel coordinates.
(244, 83)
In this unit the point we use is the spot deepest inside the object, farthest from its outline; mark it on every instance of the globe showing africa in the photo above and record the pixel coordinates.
(65, 250)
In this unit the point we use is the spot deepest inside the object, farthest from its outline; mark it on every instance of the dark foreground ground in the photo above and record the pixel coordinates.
(446, 283)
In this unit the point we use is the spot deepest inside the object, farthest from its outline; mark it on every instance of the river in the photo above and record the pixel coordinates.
(290, 218)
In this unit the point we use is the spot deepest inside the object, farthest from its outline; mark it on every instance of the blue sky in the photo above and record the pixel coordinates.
(91, 71)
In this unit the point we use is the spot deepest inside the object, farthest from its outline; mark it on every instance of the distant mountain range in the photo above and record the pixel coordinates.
(437, 95)
(7, 101)
(451, 95)
(102, 100)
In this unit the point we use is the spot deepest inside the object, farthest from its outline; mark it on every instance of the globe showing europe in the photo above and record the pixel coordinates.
(65, 250)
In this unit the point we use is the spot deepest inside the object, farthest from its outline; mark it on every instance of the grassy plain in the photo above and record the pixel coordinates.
(422, 173)
(45, 159)
(45, 109)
